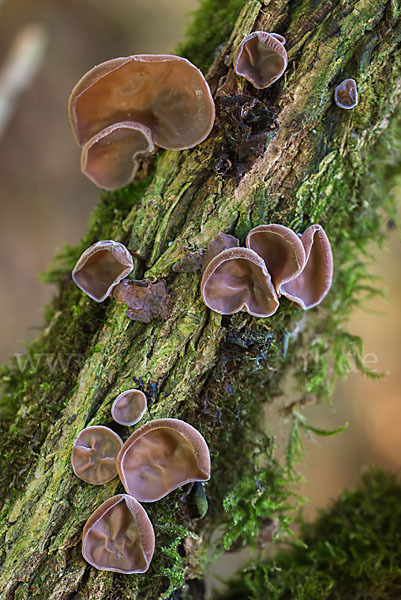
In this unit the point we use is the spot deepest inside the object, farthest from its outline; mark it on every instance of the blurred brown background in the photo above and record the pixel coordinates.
(46, 202)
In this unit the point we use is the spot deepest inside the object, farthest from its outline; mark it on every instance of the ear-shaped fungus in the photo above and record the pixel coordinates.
(346, 94)
(111, 157)
(222, 241)
(164, 93)
(314, 282)
(94, 454)
(128, 407)
(160, 456)
(281, 249)
(101, 267)
(261, 58)
(119, 536)
(237, 279)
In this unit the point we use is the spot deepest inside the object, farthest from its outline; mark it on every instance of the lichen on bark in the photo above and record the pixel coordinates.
(215, 372)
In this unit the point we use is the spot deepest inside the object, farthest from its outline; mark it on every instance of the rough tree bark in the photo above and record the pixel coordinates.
(214, 372)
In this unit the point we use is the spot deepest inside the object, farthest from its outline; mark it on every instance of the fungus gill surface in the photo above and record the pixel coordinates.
(346, 94)
(281, 249)
(111, 157)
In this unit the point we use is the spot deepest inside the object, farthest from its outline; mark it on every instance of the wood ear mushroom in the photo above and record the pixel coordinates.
(261, 58)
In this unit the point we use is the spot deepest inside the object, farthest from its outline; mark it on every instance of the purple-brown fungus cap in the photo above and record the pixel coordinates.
(281, 249)
(237, 279)
(111, 157)
(129, 407)
(166, 93)
(346, 94)
(146, 301)
(119, 536)
(94, 454)
(222, 241)
(261, 58)
(101, 267)
(314, 281)
(161, 456)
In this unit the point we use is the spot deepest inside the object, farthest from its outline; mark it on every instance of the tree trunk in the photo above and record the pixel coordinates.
(322, 164)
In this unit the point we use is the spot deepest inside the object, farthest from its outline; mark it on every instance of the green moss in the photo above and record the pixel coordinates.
(47, 371)
(352, 202)
(351, 551)
(315, 346)
(212, 24)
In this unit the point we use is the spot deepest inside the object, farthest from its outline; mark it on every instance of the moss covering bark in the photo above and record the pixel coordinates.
(320, 165)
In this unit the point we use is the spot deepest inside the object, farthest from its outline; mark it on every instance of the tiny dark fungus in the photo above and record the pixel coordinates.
(346, 94)
(129, 407)
(248, 127)
(161, 456)
(94, 454)
(237, 279)
(101, 267)
(314, 281)
(261, 58)
(281, 249)
(146, 301)
(119, 536)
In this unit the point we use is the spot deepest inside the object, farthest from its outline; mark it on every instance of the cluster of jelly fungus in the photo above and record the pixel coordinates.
(129, 407)
(161, 456)
(275, 262)
(101, 272)
(261, 58)
(124, 108)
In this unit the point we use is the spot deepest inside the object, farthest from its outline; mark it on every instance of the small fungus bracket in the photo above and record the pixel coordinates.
(146, 301)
